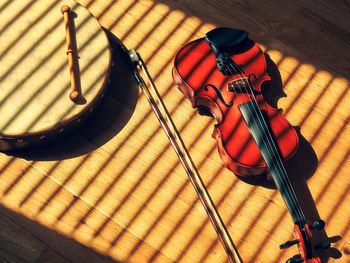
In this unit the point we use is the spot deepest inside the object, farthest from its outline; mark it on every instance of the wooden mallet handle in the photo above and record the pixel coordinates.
(72, 53)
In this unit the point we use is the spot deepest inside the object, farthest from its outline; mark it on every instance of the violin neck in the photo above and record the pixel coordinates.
(259, 130)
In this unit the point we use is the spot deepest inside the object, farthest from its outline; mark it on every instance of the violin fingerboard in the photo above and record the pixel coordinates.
(259, 130)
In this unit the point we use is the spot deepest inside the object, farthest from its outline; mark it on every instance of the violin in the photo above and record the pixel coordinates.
(222, 75)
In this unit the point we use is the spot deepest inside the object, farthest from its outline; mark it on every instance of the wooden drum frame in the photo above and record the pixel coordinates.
(55, 62)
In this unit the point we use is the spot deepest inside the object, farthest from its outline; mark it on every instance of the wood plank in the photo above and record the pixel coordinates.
(41, 211)
(284, 25)
(16, 244)
(51, 256)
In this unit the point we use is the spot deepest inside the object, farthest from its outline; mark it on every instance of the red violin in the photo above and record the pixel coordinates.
(222, 75)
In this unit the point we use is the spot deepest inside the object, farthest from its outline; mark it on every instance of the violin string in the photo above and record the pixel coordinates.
(269, 144)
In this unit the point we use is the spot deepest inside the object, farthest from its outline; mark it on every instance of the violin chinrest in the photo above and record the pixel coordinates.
(226, 37)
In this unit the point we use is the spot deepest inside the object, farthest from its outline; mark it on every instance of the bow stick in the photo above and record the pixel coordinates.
(185, 159)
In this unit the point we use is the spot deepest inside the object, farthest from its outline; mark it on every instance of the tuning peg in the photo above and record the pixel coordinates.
(322, 245)
(289, 244)
(318, 224)
(295, 260)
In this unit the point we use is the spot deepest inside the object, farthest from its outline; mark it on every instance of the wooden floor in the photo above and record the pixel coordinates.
(115, 190)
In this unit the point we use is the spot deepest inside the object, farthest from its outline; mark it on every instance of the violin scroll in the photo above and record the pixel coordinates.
(303, 240)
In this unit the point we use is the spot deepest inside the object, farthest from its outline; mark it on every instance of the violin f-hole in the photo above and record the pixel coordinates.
(218, 93)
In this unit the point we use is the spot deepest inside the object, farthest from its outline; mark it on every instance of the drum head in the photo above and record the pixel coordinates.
(34, 72)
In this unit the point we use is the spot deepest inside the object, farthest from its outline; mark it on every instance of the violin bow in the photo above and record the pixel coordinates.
(181, 151)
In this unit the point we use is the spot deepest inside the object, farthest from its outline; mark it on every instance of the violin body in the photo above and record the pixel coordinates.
(195, 73)
(222, 75)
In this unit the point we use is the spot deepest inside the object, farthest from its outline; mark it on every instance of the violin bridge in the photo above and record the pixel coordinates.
(237, 84)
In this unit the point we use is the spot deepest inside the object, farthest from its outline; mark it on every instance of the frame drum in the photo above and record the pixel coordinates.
(35, 82)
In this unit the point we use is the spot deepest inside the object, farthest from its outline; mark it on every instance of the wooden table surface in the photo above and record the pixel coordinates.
(115, 190)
